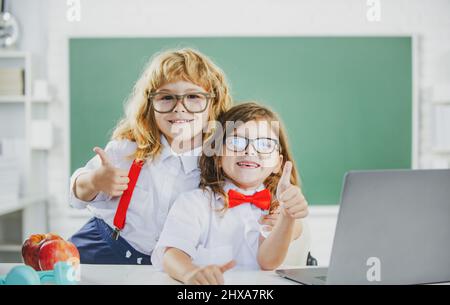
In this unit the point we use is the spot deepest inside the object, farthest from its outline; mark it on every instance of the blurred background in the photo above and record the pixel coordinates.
(358, 84)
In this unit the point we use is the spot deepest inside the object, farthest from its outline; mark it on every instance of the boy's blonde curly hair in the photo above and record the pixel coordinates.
(139, 124)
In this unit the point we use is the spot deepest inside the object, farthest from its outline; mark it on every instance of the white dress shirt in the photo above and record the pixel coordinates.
(208, 236)
(160, 181)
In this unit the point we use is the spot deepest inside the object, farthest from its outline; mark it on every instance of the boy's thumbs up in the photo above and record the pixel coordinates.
(103, 156)
(108, 178)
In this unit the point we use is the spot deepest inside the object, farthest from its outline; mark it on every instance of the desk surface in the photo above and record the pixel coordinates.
(147, 275)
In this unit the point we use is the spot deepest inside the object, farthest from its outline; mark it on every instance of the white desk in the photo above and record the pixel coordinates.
(147, 275)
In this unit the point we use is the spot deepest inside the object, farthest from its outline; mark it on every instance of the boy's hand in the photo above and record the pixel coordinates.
(209, 275)
(293, 203)
(107, 178)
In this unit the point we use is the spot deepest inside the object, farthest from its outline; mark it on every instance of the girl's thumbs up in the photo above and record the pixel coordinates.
(285, 180)
(103, 156)
(290, 196)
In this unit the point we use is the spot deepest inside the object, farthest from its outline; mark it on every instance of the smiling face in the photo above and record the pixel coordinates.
(248, 169)
(179, 125)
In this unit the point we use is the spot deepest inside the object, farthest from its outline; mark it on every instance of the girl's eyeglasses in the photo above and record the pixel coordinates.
(193, 102)
(261, 145)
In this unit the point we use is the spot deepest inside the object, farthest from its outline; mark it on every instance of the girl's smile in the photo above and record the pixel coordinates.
(248, 164)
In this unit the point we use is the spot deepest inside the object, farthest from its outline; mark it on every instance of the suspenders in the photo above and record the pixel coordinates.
(121, 212)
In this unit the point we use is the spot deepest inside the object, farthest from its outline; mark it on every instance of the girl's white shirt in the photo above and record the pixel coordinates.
(197, 227)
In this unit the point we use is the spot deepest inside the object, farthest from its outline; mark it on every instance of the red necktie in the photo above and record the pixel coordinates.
(260, 199)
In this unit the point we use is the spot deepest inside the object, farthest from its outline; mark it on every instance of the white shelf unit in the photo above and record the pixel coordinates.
(12, 99)
(27, 215)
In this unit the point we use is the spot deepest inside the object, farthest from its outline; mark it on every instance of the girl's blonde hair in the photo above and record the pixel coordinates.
(139, 124)
(212, 175)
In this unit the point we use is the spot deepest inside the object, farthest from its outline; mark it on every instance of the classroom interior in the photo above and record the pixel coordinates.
(368, 91)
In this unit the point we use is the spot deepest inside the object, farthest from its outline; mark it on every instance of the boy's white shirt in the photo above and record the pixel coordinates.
(209, 236)
(160, 181)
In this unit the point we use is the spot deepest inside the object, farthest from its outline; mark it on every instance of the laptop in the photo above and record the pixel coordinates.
(393, 228)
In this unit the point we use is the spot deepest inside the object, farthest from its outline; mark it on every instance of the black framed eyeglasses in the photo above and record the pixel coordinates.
(261, 145)
(193, 102)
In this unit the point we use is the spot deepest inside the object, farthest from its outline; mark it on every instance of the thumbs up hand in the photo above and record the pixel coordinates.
(293, 203)
(107, 178)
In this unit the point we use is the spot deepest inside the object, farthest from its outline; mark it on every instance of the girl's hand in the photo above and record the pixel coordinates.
(270, 219)
(208, 275)
(107, 178)
(293, 203)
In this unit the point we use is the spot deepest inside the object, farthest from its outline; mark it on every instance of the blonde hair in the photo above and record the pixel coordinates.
(212, 175)
(139, 124)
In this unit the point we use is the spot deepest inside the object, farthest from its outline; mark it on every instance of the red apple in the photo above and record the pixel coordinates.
(54, 251)
(32, 246)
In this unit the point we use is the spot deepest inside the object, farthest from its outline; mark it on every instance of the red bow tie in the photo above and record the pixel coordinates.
(260, 199)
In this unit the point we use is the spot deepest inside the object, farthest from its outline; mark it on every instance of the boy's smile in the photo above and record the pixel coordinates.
(180, 125)
(176, 118)
(180, 121)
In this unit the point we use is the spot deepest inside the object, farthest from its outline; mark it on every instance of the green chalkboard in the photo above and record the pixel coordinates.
(346, 101)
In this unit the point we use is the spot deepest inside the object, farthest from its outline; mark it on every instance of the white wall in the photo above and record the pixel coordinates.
(32, 18)
(429, 20)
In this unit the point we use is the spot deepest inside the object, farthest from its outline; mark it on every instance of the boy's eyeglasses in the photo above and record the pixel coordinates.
(193, 102)
(261, 145)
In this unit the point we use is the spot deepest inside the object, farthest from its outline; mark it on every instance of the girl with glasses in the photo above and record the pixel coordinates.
(215, 228)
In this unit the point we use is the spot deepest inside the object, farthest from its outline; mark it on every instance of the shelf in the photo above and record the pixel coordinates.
(441, 102)
(10, 248)
(12, 98)
(41, 100)
(21, 203)
(22, 98)
(33, 206)
(13, 54)
(441, 151)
